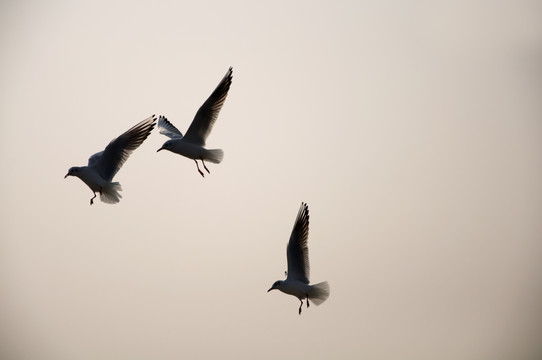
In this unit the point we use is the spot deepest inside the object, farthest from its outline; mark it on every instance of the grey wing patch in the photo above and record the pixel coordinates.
(297, 251)
(208, 112)
(94, 159)
(119, 149)
(168, 129)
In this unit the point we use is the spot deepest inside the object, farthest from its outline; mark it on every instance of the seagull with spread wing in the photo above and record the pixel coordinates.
(192, 144)
(103, 166)
(297, 276)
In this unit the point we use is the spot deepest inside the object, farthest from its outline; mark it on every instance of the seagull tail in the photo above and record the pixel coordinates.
(319, 292)
(215, 156)
(110, 193)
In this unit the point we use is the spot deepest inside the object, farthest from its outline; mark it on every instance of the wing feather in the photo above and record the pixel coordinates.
(168, 129)
(208, 112)
(109, 162)
(297, 251)
(94, 159)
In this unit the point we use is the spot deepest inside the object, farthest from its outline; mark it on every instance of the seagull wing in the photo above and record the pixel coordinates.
(208, 112)
(109, 161)
(94, 159)
(167, 128)
(298, 250)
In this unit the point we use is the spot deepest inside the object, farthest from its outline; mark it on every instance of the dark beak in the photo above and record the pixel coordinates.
(160, 149)
(270, 289)
(68, 174)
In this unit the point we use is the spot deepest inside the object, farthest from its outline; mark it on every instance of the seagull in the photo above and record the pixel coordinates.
(192, 144)
(297, 276)
(103, 165)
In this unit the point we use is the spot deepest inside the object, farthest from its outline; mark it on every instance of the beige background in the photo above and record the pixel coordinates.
(412, 129)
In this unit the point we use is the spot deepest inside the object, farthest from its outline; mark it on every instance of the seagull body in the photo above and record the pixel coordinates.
(104, 165)
(181, 146)
(192, 144)
(297, 276)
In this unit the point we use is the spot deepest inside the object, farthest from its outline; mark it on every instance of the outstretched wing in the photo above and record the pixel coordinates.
(109, 162)
(208, 112)
(297, 252)
(167, 128)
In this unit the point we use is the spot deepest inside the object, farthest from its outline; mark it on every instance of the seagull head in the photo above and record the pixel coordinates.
(166, 146)
(277, 285)
(72, 172)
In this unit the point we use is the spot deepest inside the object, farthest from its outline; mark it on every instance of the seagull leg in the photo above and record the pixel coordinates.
(307, 300)
(201, 173)
(203, 162)
(300, 306)
(92, 199)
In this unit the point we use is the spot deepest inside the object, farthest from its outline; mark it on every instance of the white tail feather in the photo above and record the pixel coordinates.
(110, 193)
(215, 156)
(319, 292)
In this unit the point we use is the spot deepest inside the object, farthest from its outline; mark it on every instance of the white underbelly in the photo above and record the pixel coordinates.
(190, 151)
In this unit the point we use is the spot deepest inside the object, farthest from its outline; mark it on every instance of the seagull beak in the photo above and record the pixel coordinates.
(68, 174)
(160, 149)
(270, 289)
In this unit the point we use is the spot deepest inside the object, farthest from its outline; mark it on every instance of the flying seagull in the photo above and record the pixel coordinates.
(192, 144)
(103, 165)
(297, 276)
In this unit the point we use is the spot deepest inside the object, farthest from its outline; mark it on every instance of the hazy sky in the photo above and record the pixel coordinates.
(412, 129)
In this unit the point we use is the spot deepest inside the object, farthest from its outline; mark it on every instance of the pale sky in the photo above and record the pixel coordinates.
(412, 129)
